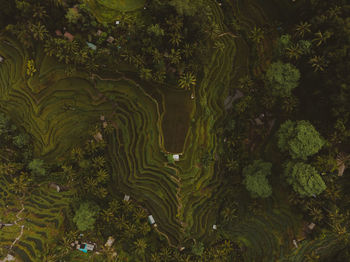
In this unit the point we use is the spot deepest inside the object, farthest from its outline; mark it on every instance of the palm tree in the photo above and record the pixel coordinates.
(76, 153)
(156, 257)
(174, 56)
(57, 3)
(102, 176)
(166, 254)
(318, 63)
(303, 28)
(130, 231)
(139, 213)
(229, 214)
(187, 81)
(144, 228)
(257, 34)
(114, 205)
(289, 104)
(101, 192)
(219, 46)
(98, 162)
(321, 38)
(107, 215)
(188, 50)
(140, 246)
(121, 223)
(39, 12)
(245, 82)
(175, 23)
(39, 31)
(175, 38)
(294, 52)
(316, 214)
(145, 74)
(334, 11)
(90, 184)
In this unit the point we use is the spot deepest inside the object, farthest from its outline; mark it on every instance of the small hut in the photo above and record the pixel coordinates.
(126, 198)
(69, 36)
(58, 32)
(91, 46)
(98, 137)
(55, 187)
(109, 242)
(151, 221)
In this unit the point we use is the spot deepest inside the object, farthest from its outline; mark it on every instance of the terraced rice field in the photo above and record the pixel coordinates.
(37, 221)
(107, 11)
(57, 111)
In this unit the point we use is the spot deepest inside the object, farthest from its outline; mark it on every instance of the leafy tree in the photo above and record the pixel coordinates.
(304, 179)
(21, 140)
(73, 15)
(299, 138)
(282, 78)
(36, 166)
(255, 179)
(198, 248)
(85, 216)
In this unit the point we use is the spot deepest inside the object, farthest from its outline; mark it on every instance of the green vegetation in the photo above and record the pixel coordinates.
(300, 139)
(255, 179)
(85, 216)
(97, 96)
(282, 78)
(304, 178)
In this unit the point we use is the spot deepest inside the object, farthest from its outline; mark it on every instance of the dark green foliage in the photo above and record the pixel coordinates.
(37, 167)
(282, 78)
(255, 179)
(304, 179)
(186, 7)
(198, 248)
(299, 138)
(21, 140)
(4, 122)
(85, 216)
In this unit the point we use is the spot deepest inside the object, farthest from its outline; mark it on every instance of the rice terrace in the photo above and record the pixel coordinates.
(175, 130)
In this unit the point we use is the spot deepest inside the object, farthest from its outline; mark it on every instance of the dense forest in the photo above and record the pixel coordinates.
(174, 130)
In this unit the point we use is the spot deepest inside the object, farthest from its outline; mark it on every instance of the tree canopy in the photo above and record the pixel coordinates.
(85, 216)
(255, 179)
(37, 167)
(304, 179)
(282, 78)
(299, 138)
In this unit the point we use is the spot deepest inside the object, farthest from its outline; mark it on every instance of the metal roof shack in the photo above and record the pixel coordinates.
(151, 221)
